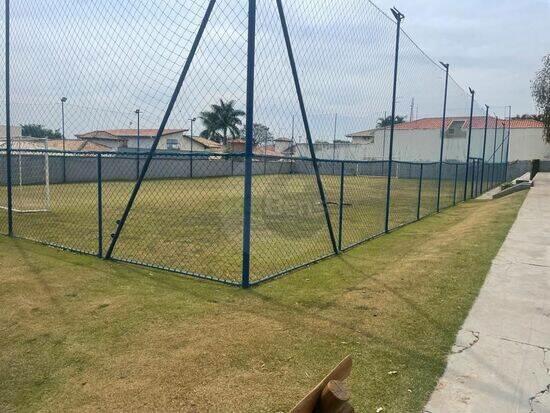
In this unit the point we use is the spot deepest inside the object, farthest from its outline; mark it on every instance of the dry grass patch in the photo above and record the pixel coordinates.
(82, 334)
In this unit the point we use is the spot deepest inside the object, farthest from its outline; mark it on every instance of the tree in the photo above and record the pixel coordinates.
(528, 116)
(540, 89)
(262, 134)
(39, 131)
(384, 122)
(221, 120)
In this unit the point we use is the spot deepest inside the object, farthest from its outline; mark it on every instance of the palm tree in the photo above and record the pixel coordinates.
(210, 122)
(384, 122)
(223, 117)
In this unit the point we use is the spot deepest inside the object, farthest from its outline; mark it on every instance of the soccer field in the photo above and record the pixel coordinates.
(195, 225)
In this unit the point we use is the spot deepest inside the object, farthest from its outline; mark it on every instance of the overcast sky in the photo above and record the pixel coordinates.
(110, 57)
(494, 46)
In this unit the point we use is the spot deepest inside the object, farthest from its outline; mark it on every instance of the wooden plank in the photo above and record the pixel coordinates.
(333, 397)
(340, 372)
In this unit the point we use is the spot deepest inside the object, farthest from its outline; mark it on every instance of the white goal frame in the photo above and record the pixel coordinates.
(21, 147)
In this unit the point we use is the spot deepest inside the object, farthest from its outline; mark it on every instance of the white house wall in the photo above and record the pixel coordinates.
(184, 143)
(526, 144)
(423, 145)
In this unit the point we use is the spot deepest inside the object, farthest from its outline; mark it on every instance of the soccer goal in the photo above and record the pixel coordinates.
(30, 174)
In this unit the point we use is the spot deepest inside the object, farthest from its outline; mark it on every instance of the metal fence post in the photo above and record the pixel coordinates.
(160, 132)
(475, 166)
(446, 66)
(419, 192)
(494, 153)
(63, 100)
(472, 92)
(508, 143)
(247, 206)
(456, 180)
(479, 168)
(99, 208)
(398, 17)
(306, 124)
(138, 113)
(484, 145)
(502, 152)
(341, 211)
(478, 173)
(506, 156)
(8, 122)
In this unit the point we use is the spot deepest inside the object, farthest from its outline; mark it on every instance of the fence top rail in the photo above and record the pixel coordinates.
(218, 155)
(225, 155)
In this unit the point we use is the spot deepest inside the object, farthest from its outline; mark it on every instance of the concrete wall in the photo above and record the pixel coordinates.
(120, 168)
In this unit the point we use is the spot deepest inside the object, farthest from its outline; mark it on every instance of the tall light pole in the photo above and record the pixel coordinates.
(63, 100)
(191, 121)
(137, 112)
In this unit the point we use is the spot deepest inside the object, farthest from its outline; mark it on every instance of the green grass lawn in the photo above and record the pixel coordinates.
(78, 333)
(196, 224)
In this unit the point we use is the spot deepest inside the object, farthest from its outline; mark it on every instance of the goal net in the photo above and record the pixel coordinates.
(30, 175)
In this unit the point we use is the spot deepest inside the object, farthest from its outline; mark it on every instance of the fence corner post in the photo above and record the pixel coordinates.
(99, 208)
(247, 204)
(8, 121)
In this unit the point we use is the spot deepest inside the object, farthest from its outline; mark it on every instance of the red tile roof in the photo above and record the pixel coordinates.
(116, 134)
(142, 132)
(478, 122)
(207, 142)
(77, 145)
(526, 123)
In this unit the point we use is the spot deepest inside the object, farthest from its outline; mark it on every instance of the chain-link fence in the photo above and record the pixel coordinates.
(231, 140)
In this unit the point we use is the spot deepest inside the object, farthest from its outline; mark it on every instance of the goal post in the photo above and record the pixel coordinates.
(30, 169)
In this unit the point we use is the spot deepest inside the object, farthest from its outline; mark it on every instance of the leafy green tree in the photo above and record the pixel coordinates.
(38, 131)
(540, 89)
(220, 121)
(384, 122)
(262, 134)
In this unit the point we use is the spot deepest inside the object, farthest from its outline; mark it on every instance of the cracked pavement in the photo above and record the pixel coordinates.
(501, 359)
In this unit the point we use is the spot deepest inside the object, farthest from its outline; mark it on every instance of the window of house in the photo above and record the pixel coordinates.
(172, 144)
(456, 129)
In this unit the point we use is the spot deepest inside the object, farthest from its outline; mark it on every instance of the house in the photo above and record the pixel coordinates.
(239, 146)
(77, 145)
(282, 144)
(128, 140)
(362, 138)
(357, 149)
(16, 132)
(420, 139)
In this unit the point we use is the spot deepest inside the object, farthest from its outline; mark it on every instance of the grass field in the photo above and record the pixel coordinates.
(78, 333)
(196, 224)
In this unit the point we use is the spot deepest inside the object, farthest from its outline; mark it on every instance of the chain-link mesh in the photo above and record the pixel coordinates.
(98, 79)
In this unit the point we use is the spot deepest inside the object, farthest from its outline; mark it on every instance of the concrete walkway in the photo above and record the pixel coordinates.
(501, 360)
